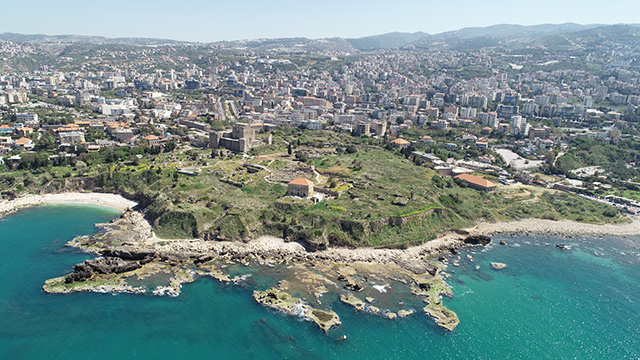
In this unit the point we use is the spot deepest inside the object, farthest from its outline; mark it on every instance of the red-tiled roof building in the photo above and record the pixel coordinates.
(300, 187)
(400, 143)
(476, 182)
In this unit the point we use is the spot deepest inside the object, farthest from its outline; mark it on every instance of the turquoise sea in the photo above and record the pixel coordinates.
(582, 303)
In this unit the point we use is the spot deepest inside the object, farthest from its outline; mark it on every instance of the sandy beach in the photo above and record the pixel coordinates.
(99, 199)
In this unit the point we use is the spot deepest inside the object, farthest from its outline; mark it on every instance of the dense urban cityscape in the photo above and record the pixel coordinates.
(494, 110)
(327, 178)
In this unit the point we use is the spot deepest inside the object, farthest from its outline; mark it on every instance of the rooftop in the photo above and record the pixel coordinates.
(300, 181)
(23, 141)
(400, 141)
(476, 180)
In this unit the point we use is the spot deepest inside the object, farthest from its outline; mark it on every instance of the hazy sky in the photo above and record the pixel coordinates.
(199, 20)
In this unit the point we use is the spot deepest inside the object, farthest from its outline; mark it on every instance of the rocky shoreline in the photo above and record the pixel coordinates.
(290, 305)
(131, 254)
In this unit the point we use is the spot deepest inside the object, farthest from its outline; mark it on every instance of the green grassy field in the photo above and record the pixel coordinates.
(385, 199)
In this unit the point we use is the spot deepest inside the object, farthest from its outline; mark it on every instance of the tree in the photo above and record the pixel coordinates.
(92, 158)
(290, 149)
(153, 150)
(33, 160)
(302, 156)
(437, 180)
(351, 149)
(217, 125)
(82, 149)
(169, 146)
(46, 142)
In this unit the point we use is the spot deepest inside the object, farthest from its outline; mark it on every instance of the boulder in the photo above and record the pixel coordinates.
(126, 254)
(353, 301)
(417, 267)
(313, 245)
(104, 265)
(498, 266)
(203, 259)
(80, 274)
(431, 269)
(399, 201)
(424, 286)
(353, 286)
(405, 313)
(112, 265)
(477, 240)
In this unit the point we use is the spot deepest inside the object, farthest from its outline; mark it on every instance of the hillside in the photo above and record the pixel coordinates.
(71, 39)
(290, 45)
(385, 199)
(387, 41)
(611, 35)
(503, 31)
(550, 36)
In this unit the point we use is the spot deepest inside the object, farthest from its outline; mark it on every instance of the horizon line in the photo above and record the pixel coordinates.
(315, 38)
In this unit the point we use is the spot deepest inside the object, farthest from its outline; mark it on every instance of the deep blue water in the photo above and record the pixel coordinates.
(547, 304)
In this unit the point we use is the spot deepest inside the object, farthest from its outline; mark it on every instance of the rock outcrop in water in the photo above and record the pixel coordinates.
(498, 266)
(353, 301)
(131, 253)
(280, 300)
(105, 265)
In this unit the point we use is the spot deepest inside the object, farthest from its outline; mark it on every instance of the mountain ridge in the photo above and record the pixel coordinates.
(492, 35)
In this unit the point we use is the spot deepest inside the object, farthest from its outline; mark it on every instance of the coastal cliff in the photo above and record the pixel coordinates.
(131, 257)
(131, 253)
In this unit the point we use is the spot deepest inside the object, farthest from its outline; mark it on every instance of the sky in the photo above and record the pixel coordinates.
(213, 20)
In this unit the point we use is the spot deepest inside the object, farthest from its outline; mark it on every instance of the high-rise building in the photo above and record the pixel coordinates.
(507, 111)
